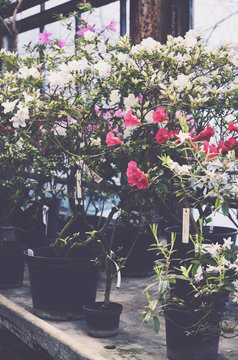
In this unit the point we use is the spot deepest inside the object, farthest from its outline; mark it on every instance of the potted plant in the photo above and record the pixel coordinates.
(193, 318)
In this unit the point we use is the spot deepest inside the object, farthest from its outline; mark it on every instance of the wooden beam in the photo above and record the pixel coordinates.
(48, 16)
(26, 4)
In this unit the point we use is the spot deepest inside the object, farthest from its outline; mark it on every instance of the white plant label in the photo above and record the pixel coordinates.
(185, 231)
(79, 184)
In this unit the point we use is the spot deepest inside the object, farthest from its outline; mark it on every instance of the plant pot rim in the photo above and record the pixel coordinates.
(54, 258)
(224, 229)
(97, 307)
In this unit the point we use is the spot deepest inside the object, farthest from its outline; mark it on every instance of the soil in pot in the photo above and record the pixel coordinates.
(103, 321)
(12, 264)
(61, 286)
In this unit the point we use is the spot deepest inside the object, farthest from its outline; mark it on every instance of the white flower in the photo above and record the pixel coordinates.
(95, 142)
(89, 48)
(114, 97)
(228, 243)
(212, 249)
(182, 82)
(60, 78)
(180, 170)
(89, 35)
(102, 47)
(149, 45)
(122, 58)
(211, 268)
(28, 97)
(149, 117)
(128, 131)
(26, 72)
(9, 106)
(130, 101)
(199, 274)
(235, 298)
(60, 130)
(78, 65)
(20, 117)
(103, 68)
(183, 136)
(191, 38)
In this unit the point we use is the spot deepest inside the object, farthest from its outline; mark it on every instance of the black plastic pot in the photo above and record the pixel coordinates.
(103, 321)
(186, 347)
(61, 286)
(12, 263)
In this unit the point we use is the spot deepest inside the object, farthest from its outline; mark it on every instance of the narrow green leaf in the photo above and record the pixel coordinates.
(156, 323)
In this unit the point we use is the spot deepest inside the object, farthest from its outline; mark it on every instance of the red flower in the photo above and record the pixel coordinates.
(136, 177)
(232, 127)
(206, 134)
(112, 140)
(162, 136)
(131, 120)
(211, 151)
(160, 115)
(172, 134)
(227, 145)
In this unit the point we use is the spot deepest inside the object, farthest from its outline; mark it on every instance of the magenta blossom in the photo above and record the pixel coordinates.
(112, 25)
(83, 29)
(61, 43)
(130, 119)
(136, 177)
(107, 115)
(44, 38)
(119, 113)
(112, 140)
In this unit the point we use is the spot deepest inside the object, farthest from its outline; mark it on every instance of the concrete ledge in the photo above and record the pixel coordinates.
(38, 333)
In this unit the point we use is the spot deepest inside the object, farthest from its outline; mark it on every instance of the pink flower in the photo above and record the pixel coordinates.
(84, 2)
(232, 127)
(227, 145)
(83, 28)
(211, 151)
(160, 115)
(61, 43)
(172, 134)
(112, 25)
(162, 136)
(44, 38)
(136, 177)
(119, 113)
(140, 98)
(112, 140)
(96, 109)
(107, 115)
(131, 120)
(206, 134)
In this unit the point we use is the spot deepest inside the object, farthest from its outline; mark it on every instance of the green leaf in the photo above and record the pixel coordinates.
(156, 323)
(217, 203)
(225, 208)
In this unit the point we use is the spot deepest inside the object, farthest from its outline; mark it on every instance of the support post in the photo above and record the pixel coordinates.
(158, 18)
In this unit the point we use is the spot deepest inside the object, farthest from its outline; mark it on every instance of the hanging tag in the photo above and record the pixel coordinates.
(79, 184)
(117, 269)
(185, 232)
(30, 252)
(89, 172)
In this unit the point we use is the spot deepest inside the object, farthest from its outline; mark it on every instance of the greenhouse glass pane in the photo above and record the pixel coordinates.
(217, 20)
(32, 11)
(59, 31)
(102, 16)
(25, 38)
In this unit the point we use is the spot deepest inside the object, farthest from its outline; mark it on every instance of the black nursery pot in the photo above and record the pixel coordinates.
(103, 322)
(181, 346)
(61, 286)
(12, 263)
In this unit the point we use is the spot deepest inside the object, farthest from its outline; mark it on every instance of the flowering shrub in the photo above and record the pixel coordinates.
(211, 273)
(167, 109)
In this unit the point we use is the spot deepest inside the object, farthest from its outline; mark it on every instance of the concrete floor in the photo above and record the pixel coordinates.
(69, 341)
